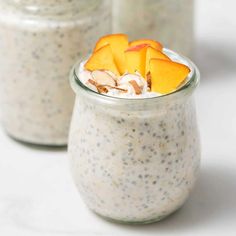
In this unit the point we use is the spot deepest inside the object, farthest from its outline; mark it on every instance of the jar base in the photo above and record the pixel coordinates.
(145, 222)
(26, 142)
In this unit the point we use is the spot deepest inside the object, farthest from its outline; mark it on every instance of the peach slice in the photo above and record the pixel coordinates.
(135, 58)
(150, 42)
(152, 53)
(119, 43)
(102, 59)
(166, 75)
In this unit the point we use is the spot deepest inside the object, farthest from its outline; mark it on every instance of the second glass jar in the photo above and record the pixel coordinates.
(40, 40)
(169, 21)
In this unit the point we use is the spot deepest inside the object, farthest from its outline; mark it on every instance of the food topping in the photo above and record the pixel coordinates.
(117, 67)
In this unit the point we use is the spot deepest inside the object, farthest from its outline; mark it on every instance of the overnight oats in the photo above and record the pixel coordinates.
(134, 144)
(170, 21)
(40, 40)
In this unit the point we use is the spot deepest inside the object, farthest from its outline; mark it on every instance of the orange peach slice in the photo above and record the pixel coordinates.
(119, 43)
(102, 59)
(135, 58)
(152, 53)
(166, 75)
(150, 42)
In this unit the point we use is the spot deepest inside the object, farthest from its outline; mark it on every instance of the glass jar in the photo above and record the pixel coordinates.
(168, 21)
(135, 160)
(40, 40)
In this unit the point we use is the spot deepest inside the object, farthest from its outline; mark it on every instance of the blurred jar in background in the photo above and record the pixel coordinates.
(40, 41)
(169, 21)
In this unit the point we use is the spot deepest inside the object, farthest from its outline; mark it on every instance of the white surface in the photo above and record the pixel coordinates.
(37, 196)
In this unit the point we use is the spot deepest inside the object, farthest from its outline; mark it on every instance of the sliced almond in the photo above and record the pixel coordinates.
(141, 82)
(102, 89)
(85, 75)
(126, 88)
(120, 89)
(149, 80)
(103, 78)
(111, 74)
(92, 82)
(137, 89)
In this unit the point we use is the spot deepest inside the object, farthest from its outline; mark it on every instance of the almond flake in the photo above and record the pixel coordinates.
(137, 89)
(92, 82)
(121, 89)
(103, 78)
(149, 80)
(102, 89)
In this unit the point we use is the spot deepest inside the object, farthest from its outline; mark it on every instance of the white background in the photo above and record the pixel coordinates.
(37, 195)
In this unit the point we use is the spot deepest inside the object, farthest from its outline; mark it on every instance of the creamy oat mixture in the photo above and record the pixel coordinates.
(40, 40)
(169, 21)
(133, 160)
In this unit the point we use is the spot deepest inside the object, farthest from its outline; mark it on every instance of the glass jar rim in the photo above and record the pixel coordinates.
(192, 82)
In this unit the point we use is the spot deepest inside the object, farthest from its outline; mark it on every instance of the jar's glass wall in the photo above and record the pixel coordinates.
(169, 21)
(134, 167)
(37, 51)
(134, 161)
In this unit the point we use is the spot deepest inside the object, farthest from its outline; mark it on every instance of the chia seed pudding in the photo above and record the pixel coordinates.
(134, 160)
(40, 40)
(169, 21)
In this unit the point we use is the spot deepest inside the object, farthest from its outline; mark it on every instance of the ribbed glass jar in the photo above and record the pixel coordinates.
(168, 21)
(40, 40)
(135, 160)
